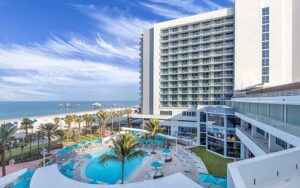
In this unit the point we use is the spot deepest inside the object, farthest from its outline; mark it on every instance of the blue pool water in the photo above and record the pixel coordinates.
(110, 172)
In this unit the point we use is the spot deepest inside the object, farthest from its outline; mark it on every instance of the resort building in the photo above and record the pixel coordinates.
(192, 65)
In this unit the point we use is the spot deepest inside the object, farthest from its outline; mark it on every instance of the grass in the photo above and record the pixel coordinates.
(215, 164)
(16, 152)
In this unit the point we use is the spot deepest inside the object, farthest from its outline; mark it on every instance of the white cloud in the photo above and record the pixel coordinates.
(189, 6)
(48, 77)
(125, 28)
(99, 47)
(181, 8)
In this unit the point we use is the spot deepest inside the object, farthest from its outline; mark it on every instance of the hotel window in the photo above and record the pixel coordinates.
(265, 44)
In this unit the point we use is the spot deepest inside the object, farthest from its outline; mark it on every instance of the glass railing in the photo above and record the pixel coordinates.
(286, 127)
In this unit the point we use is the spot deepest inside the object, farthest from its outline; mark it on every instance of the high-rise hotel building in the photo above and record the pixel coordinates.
(229, 80)
(202, 59)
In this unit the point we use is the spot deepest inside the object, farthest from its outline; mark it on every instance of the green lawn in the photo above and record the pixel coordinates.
(215, 164)
(17, 151)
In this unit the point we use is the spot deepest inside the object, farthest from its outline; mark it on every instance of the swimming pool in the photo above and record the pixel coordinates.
(110, 172)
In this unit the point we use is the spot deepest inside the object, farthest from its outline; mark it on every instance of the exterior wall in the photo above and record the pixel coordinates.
(284, 24)
(247, 43)
(296, 40)
(157, 57)
(147, 72)
(240, 174)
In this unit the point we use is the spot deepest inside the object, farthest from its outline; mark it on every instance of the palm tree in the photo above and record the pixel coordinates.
(128, 112)
(154, 128)
(102, 116)
(39, 134)
(120, 113)
(56, 121)
(6, 134)
(49, 130)
(124, 149)
(22, 145)
(26, 124)
(79, 121)
(69, 119)
(112, 115)
(29, 139)
(88, 119)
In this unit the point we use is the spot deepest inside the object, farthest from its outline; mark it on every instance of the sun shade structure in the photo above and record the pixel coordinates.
(42, 179)
(156, 164)
(166, 150)
(222, 182)
(206, 178)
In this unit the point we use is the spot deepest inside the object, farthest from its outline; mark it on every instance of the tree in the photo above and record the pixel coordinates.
(112, 115)
(22, 145)
(29, 139)
(88, 119)
(154, 128)
(39, 135)
(120, 113)
(49, 130)
(69, 119)
(102, 116)
(6, 134)
(26, 124)
(56, 121)
(79, 121)
(128, 112)
(124, 149)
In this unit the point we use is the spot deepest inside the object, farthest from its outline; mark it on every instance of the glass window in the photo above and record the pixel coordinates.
(277, 112)
(263, 110)
(293, 112)
(202, 117)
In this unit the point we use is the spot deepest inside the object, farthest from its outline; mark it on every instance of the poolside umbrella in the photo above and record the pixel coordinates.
(156, 164)
(97, 140)
(27, 174)
(85, 142)
(22, 184)
(206, 178)
(10, 124)
(166, 150)
(222, 182)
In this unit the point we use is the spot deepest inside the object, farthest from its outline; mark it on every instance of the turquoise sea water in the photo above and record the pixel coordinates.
(20, 109)
(110, 172)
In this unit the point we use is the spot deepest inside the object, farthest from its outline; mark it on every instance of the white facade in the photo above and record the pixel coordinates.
(284, 20)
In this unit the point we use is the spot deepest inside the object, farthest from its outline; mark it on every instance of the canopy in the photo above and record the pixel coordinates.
(156, 164)
(222, 182)
(166, 150)
(85, 142)
(206, 178)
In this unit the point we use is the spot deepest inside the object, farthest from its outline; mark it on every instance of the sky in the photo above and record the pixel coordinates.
(80, 49)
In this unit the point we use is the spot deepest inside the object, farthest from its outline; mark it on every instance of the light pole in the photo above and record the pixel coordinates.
(44, 156)
(176, 134)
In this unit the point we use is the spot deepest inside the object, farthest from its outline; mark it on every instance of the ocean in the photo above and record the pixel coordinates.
(21, 109)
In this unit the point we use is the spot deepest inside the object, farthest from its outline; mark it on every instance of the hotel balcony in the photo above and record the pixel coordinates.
(257, 144)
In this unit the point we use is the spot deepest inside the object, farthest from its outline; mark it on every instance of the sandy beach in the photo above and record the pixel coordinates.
(49, 119)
